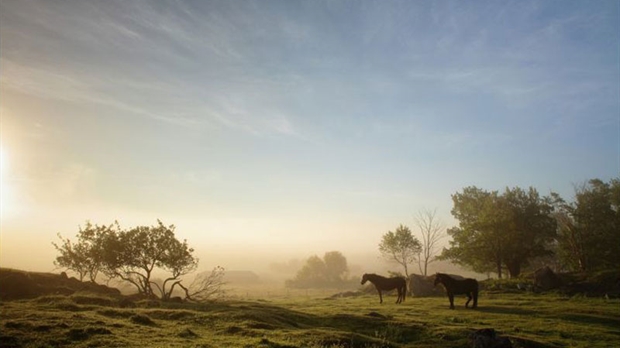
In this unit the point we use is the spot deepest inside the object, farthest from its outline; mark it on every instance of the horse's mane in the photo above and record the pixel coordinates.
(373, 275)
(449, 276)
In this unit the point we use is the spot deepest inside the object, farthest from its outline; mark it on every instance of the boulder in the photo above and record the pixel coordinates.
(422, 286)
(546, 279)
(487, 338)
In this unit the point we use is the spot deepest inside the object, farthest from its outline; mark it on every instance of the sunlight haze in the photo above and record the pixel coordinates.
(268, 131)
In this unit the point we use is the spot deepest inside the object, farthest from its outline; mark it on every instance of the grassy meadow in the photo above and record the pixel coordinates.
(306, 320)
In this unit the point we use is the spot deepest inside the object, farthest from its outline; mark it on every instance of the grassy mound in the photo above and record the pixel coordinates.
(18, 284)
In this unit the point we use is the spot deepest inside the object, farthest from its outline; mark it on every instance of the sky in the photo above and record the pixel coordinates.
(291, 128)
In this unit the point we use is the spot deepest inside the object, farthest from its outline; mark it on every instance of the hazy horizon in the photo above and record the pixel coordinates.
(273, 130)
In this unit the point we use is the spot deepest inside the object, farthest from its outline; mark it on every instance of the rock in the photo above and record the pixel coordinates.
(487, 338)
(546, 279)
(422, 286)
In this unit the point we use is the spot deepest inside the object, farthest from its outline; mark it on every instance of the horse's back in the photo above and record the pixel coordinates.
(462, 286)
(472, 284)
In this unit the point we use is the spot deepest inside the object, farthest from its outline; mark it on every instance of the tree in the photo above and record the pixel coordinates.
(589, 228)
(400, 247)
(178, 260)
(130, 255)
(477, 241)
(206, 286)
(85, 256)
(73, 257)
(330, 271)
(311, 274)
(500, 230)
(336, 267)
(431, 230)
(532, 229)
(136, 253)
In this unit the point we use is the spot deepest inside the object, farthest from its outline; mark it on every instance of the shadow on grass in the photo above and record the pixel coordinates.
(613, 323)
(505, 310)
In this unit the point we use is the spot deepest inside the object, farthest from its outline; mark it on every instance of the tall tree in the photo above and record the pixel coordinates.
(589, 228)
(431, 231)
(532, 229)
(502, 230)
(400, 247)
(478, 241)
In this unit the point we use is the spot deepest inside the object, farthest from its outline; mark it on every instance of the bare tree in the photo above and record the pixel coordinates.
(431, 231)
(206, 286)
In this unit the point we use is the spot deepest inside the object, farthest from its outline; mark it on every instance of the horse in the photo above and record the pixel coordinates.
(383, 283)
(453, 287)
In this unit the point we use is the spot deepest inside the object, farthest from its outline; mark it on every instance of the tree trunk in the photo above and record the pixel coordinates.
(499, 270)
(514, 269)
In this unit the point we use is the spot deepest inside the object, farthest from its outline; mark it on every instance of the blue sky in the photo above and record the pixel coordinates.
(309, 125)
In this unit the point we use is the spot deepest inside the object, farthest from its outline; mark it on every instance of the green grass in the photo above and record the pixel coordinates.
(529, 320)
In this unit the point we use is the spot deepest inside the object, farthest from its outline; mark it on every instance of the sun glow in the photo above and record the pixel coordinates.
(4, 188)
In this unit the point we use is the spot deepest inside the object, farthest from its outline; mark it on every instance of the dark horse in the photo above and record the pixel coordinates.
(453, 287)
(383, 283)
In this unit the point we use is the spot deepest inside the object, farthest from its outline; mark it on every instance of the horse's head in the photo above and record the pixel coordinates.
(364, 278)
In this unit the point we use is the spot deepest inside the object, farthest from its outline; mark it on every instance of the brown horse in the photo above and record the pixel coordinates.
(453, 287)
(383, 283)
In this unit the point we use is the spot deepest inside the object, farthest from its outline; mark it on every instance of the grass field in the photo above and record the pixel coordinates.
(529, 320)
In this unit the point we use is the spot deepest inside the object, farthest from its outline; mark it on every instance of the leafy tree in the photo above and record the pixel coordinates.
(589, 228)
(431, 231)
(400, 247)
(532, 228)
(477, 241)
(336, 267)
(330, 271)
(85, 256)
(131, 255)
(497, 231)
(136, 253)
(73, 257)
(178, 260)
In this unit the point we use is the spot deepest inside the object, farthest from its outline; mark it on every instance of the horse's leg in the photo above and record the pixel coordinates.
(468, 299)
(380, 296)
(451, 298)
(399, 298)
(475, 293)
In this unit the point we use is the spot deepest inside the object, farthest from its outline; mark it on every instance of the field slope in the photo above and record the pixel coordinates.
(98, 320)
